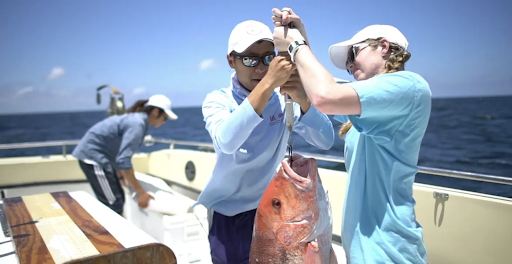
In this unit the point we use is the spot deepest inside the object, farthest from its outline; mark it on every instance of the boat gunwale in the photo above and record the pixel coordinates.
(149, 140)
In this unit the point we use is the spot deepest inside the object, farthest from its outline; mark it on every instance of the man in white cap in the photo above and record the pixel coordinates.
(105, 151)
(388, 109)
(246, 122)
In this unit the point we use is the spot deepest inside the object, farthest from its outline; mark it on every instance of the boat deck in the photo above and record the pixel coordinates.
(61, 246)
(446, 214)
(64, 226)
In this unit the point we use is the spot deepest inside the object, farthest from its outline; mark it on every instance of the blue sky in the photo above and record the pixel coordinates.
(54, 54)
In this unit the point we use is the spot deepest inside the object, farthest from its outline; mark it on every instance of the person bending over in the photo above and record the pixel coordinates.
(105, 151)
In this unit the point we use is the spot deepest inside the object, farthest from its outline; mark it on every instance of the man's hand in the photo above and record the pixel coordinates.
(279, 72)
(294, 88)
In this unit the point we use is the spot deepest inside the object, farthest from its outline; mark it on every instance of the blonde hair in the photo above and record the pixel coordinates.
(398, 56)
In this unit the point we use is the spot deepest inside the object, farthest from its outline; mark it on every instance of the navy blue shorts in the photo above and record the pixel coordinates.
(230, 237)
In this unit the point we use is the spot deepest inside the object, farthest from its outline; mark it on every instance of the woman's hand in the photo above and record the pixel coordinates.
(143, 199)
(122, 181)
(284, 36)
(286, 17)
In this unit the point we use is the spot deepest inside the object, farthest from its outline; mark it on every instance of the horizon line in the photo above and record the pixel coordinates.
(199, 105)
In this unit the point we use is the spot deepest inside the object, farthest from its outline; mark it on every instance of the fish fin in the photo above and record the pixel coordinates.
(313, 254)
(332, 258)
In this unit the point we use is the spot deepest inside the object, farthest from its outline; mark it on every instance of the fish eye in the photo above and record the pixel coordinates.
(276, 203)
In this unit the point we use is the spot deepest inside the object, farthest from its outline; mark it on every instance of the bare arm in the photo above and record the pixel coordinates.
(325, 94)
(133, 134)
(129, 175)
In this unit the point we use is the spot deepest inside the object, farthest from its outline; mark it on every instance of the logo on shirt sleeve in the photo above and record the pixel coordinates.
(274, 120)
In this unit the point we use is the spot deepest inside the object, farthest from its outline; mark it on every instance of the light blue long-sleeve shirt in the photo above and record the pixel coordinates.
(249, 147)
(381, 155)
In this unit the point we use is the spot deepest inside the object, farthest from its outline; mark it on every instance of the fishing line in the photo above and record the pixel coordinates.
(200, 222)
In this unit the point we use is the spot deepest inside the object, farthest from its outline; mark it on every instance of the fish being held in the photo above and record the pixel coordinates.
(293, 222)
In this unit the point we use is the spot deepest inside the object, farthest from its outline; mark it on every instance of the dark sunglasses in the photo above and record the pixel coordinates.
(352, 53)
(253, 61)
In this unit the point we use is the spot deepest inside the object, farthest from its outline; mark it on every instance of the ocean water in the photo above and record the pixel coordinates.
(466, 134)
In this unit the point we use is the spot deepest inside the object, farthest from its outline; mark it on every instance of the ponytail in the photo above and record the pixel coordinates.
(398, 56)
(141, 107)
(138, 107)
(344, 129)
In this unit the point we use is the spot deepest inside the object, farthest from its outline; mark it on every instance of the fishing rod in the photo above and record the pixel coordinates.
(288, 100)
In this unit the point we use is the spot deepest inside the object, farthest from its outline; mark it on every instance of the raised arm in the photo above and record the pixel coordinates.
(325, 94)
(228, 129)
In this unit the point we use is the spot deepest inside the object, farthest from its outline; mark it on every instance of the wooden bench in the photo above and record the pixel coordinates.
(74, 228)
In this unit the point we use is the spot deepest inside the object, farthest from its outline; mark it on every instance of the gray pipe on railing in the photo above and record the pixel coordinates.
(39, 144)
(430, 171)
(150, 141)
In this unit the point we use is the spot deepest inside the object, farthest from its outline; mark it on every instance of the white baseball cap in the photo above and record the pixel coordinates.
(161, 101)
(247, 33)
(339, 51)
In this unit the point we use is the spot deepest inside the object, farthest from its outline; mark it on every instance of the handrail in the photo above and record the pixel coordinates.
(39, 144)
(64, 144)
(429, 170)
(172, 143)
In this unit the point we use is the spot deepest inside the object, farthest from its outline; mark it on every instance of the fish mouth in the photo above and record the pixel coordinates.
(298, 173)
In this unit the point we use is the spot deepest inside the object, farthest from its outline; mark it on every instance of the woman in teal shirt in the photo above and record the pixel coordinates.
(385, 112)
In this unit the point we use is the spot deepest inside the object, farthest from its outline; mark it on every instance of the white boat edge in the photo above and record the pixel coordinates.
(450, 217)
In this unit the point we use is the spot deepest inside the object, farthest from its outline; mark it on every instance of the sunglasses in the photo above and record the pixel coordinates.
(352, 53)
(253, 61)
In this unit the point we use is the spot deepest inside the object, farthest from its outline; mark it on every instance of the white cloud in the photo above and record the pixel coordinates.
(56, 73)
(23, 91)
(206, 64)
(139, 90)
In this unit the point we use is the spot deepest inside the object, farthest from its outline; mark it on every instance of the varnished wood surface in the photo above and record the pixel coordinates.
(34, 223)
(30, 246)
(154, 253)
(96, 233)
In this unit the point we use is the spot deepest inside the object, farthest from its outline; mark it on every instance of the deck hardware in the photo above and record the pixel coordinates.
(149, 141)
(440, 195)
(190, 170)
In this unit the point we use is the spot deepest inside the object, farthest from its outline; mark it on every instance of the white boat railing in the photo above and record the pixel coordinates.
(148, 141)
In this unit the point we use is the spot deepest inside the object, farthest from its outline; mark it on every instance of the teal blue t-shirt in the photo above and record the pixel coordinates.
(381, 153)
